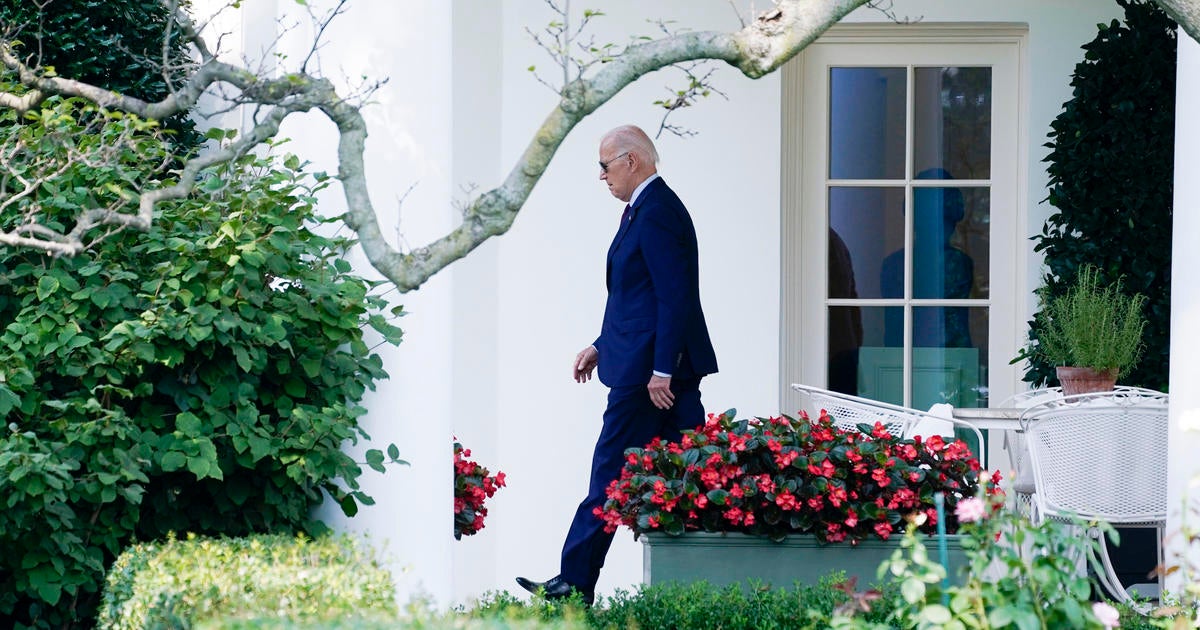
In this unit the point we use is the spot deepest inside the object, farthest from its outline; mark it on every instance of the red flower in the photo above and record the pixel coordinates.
(472, 485)
(850, 485)
(824, 469)
(837, 495)
(881, 477)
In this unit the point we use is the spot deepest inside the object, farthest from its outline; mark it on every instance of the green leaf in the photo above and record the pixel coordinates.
(393, 452)
(174, 460)
(718, 496)
(199, 466)
(937, 615)
(375, 460)
(349, 505)
(913, 590)
(188, 424)
(46, 286)
(1001, 616)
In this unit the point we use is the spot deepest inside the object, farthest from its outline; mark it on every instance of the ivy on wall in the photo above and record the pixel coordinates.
(1111, 166)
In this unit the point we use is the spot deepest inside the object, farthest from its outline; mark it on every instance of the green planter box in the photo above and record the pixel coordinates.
(723, 559)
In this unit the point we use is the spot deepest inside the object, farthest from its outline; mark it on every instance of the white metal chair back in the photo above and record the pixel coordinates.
(850, 411)
(1036, 401)
(1026, 399)
(1101, 456)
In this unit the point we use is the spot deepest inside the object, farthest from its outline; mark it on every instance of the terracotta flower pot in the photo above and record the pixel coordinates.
(1080, 380)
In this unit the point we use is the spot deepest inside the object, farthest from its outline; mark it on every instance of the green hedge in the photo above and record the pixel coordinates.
(696, 606)
(180, 583)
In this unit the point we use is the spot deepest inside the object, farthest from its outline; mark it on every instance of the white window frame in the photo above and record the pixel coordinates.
(804, 238)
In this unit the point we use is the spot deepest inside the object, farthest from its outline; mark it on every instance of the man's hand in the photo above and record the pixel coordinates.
(660, 392)
(585, 362)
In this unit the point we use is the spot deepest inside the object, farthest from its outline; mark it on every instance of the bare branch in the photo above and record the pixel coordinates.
(757, 49)
(321, 24)
(887, 8)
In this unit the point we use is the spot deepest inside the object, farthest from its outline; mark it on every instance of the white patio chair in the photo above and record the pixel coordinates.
(1014, 441)
(849, 411)
(1101, 457)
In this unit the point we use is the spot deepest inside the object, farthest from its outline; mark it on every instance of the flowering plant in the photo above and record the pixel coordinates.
(780, 476)
(472, 485)
(1020, 574)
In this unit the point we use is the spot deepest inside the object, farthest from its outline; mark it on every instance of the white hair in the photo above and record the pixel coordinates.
(631, 138)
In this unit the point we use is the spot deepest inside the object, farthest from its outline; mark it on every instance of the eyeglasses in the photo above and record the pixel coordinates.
(604, 165)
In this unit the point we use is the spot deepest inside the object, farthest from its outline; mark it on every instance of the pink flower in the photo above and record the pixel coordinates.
(970, 509)
(1106, 614)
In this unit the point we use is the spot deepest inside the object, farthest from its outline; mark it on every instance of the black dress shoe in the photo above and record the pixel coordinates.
(554, 588)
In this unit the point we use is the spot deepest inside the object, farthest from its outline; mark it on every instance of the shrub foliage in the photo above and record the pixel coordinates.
(1111, 166)
(201, 377)
(116, 44)
(1093, 326)
(180, 584)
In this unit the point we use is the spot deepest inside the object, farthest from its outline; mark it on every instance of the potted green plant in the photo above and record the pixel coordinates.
(770, 498)
(1093, 333)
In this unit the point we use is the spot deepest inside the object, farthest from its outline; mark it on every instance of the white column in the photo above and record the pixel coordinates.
(408, 164)
(1184, 437)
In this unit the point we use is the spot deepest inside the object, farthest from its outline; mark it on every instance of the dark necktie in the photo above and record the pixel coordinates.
(625, 215)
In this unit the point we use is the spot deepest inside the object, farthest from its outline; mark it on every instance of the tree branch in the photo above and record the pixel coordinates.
(1185, 12)
(757, 49)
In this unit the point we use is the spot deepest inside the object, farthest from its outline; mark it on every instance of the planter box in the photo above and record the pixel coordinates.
(723, 559)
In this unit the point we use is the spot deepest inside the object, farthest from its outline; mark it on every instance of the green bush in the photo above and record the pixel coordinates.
(179, 584)
(200, 377)
(114, 44)
(694, 606)
(1111, 167)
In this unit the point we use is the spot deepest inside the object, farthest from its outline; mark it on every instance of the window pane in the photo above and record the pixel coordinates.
(845, 338)
(879, 361)
(864, 225)
(952, 121)
(866, 123)
(953, 372)
(950, 243)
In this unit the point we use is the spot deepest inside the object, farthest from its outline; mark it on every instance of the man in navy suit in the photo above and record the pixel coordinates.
(653, 347)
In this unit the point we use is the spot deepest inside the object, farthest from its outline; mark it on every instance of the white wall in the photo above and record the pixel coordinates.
(1184, 435)
(552, 266)
(409, 147)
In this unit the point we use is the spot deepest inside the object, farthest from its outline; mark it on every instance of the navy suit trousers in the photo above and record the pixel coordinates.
(630, 420)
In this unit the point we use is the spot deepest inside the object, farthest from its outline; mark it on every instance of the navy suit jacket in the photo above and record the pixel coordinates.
(652, 319)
